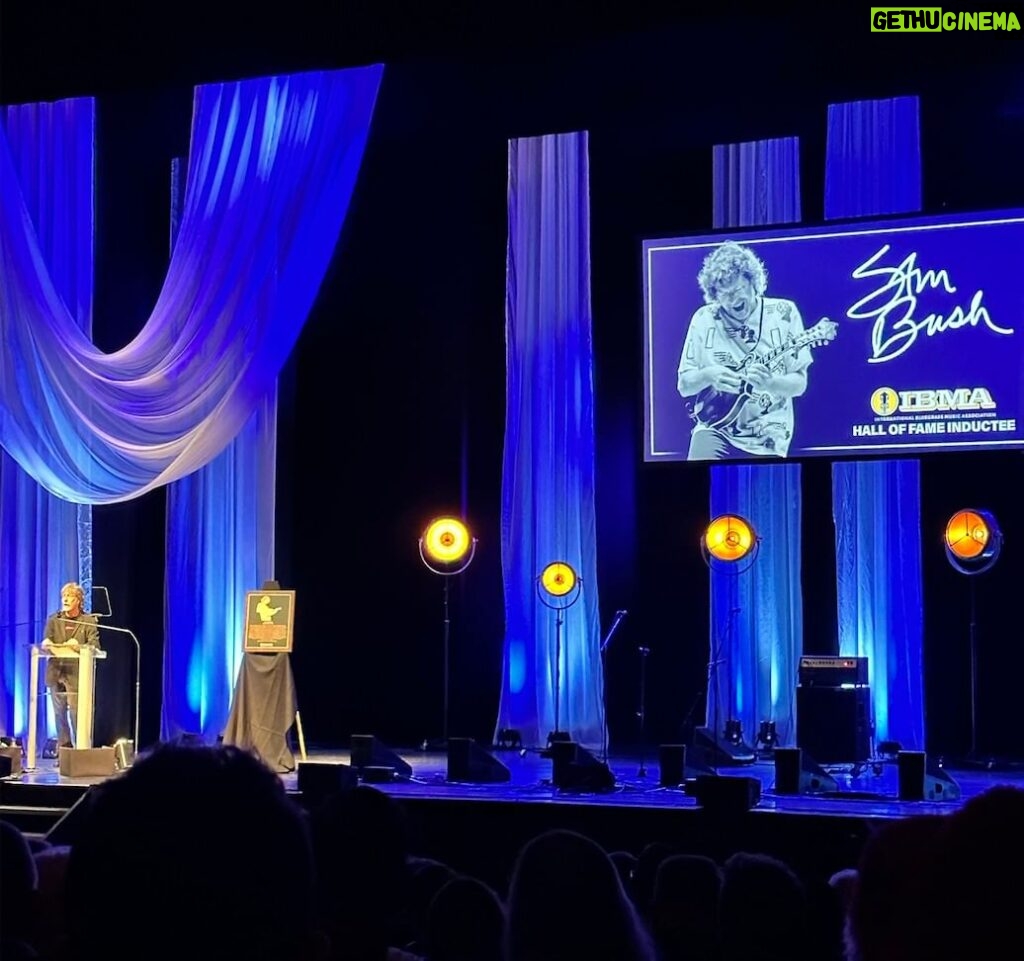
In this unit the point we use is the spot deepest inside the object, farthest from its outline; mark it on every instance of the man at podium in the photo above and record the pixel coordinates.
(67, 632)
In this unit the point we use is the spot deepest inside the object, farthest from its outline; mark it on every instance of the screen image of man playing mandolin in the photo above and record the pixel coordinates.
(744, 359)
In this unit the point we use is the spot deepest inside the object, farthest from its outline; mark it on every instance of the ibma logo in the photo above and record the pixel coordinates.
(886, 401)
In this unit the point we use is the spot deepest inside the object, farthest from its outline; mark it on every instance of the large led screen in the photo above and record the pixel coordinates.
(883, 338)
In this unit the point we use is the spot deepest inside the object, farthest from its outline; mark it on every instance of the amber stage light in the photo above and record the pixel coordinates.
(558, 579)
(973, 540)
(729, 539)
(446, 543)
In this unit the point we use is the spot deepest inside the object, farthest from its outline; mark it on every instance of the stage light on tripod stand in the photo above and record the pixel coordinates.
(973, 541)
(729, 545)
(558, 587)
(446, 548)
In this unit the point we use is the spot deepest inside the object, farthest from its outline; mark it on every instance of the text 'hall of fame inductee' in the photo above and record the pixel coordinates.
(744, 360)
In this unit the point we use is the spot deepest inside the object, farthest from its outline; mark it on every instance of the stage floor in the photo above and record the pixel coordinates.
(479, 828)
(862, 791)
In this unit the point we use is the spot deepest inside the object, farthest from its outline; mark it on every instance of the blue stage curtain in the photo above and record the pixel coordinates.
(220, 544)
(46, 541)
(272, 166)
(548, 509)
(873, 166)
(220, 521)
(757, 614)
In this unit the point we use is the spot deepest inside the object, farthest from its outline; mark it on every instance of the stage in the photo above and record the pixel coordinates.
(479, 827)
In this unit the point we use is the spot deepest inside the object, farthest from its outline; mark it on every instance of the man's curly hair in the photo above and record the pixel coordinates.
(727, 264)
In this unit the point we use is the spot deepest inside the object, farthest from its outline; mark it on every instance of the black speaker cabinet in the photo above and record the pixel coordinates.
(574, 768)
(797, 773)
(470, 763)
(375, 761)
(921, 779)
(725, 793)
(833, 724)
(318, 779)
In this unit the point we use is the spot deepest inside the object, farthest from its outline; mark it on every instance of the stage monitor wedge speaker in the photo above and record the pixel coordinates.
(675, 767)
(833, 724)
(796, 772)
(374, 761)
(725, 793)
(719, 752)
(471, 764)
(320, 779)
(574, 768)
(923, 780)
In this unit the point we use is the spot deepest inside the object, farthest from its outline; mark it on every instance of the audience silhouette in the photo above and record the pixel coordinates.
(19, 880)
(684, 908)
(566, 903)
(762, 910)
(195, 852)
(466, 922)
(198, 853)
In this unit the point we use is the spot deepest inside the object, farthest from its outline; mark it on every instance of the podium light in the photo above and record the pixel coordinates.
(558, 587)
(973, 541)
(446, 548)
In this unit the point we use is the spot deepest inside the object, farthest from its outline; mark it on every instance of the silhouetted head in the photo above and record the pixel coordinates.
(566, 903)
(625, 863)
(361, 846)
(18, 881)
(195, 852)
(977, 882)
(891, 914)
(762, 910)
(684, 908)
(645, 872)
(465, 922)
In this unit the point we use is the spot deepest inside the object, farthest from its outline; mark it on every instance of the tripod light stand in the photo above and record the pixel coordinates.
(729, 545)
(558, 587)
(446, 548)
(973, 541)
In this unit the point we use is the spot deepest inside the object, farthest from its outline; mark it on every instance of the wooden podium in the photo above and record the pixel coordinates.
(87, 656)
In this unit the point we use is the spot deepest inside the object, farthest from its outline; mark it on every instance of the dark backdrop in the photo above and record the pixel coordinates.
(393, 402)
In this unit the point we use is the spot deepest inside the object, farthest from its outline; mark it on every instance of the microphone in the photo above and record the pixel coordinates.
(619, 615)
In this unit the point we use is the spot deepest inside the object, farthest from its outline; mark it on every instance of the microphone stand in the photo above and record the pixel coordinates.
(138, 659)
(619, 615)
(714, 665)
(643, 651)
(138, 674)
